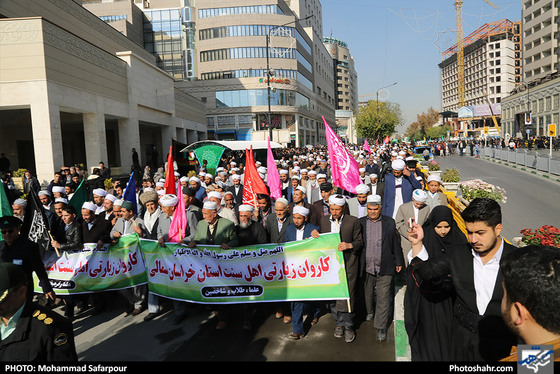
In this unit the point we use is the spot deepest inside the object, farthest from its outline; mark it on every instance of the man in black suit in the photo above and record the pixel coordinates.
(72, 241)
(480, 332)
(276, 225)
(95, 229)
(320, 207)
(351, 243)
(381, 259)
(236, 189)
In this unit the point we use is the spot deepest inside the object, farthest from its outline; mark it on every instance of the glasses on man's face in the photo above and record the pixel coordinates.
(9, 231)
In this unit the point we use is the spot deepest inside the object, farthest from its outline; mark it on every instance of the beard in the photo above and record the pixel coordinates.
(485, 251)
(244, 225)
(299, 227)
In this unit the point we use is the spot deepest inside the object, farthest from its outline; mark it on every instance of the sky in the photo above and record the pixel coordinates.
(402, 41)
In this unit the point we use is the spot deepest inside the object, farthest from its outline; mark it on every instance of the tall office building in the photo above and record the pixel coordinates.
(535, 103)
(228, 54)
(346, 87)
(541, 38)
(492, 60)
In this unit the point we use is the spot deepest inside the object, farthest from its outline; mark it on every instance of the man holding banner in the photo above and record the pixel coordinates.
(129, 223)
(217, 231)
(351, 243)
(300, 229)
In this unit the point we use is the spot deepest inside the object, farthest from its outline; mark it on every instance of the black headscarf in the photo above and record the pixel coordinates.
(434, 243)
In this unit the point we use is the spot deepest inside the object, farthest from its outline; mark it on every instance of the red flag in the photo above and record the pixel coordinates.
(386, 140)
(252, 181)
(169, 184)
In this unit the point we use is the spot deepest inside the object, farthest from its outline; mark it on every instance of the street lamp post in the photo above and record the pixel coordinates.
(377, 97)
(269, 73)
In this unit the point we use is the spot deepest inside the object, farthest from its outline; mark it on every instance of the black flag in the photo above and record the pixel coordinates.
(35, 223)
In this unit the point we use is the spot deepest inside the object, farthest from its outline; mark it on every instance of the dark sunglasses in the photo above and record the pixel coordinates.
(10, 231)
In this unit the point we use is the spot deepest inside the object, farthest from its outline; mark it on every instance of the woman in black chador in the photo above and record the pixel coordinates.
(428, 305)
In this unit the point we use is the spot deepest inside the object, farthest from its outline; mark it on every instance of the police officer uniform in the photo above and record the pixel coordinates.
(33, 333)
(25, 253)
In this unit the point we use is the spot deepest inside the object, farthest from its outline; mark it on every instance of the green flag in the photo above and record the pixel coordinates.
(212, 154)
(5, 208)
(78, 199)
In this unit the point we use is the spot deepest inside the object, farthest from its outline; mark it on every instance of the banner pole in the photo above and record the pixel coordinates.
(56, 249)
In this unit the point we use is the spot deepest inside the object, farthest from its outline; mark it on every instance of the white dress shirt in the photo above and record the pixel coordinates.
(485, 275)
(398, 196)
(485, 278)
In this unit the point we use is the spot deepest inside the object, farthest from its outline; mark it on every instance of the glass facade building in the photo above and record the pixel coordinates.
(163, 37)
(222, 54)
(259, 97)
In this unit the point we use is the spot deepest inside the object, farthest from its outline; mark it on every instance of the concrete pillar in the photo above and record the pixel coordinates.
(181, 135)
(167, 133)
(191, 136)
(96, 139)
(47, 139)
(129, 137)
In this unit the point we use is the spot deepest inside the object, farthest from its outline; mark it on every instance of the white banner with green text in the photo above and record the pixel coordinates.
(311, 269)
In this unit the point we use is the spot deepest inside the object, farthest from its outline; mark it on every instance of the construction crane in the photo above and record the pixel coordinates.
(460, 55)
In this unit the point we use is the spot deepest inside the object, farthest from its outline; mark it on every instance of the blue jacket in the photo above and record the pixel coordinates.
(409, 184)
(291, 231)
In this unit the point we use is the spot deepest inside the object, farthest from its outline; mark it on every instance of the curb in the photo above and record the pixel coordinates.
(402, 349)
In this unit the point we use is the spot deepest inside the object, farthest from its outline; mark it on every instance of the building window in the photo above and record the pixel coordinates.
(164, 38)
(229, 11)
(241, 30)
(257, 97)
(246, 52)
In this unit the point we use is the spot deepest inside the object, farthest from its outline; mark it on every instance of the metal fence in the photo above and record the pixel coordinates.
(522, 157)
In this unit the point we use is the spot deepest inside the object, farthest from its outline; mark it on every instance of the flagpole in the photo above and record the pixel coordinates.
(52, 240)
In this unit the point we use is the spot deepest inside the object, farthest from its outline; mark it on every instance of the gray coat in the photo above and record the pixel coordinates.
(164, 223)
(127, 229)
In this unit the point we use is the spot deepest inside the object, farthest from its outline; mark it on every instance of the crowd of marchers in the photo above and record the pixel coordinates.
(395, 223)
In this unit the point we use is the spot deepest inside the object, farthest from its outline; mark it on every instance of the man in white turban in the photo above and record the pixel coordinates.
(351, 243)
(223, 212)
(435, 196)
(215, 230)
(18, 208)
(417, 210)
(399, 185)
(300, 229)
(358, 204)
